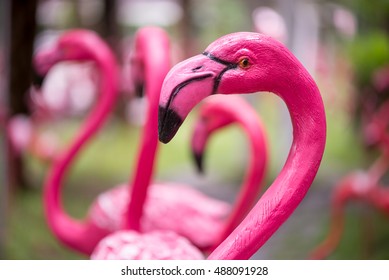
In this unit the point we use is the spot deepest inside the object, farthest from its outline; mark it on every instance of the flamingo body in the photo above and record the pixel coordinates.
(156, 245)
(166, 208)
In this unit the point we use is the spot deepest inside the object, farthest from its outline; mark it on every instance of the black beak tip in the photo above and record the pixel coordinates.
(164, 137)
(168, 124)
(198, 157)
(139, 89)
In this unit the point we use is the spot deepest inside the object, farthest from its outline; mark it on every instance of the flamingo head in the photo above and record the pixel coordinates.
(211, 118)
(236, 63)
(150, 58)
(74, 45)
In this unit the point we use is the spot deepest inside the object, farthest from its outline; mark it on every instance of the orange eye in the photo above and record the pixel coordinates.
(244, 62)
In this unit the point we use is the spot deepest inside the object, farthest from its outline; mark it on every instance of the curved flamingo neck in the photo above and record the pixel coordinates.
(72, 232)
(305, 106)
(152, 47)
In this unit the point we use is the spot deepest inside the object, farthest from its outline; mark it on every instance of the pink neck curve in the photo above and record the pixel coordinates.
(72, 232)
(305, 106)
(152, 49)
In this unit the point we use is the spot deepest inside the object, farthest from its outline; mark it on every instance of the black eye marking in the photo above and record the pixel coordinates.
(221, 61)
(229, 66)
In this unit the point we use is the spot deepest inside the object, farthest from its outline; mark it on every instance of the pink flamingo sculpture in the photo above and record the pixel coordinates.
(247, 63)
(77, 45)
(215, 114)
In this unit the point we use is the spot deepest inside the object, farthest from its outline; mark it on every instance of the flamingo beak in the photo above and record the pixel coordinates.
(199, 141)
(184, 86)
(198, 158)
(139, 89)
(136, 73)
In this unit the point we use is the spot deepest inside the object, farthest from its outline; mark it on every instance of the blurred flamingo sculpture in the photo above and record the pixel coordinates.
(360, 185)
(214, 115)
(77, 45)
(247, 63)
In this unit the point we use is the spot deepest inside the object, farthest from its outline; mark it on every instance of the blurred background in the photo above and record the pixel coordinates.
(344, 44)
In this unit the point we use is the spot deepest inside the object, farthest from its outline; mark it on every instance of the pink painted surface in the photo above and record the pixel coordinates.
(165, 208)
(155, 245)
(248, 63)
(151, 62)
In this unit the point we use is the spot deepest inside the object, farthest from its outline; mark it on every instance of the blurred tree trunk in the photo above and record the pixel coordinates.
(186, 29)
(109, 27)
(21, 41)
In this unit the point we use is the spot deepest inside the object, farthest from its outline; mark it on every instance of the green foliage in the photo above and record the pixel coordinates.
(372, 14)
(219, 17)
(368, 53)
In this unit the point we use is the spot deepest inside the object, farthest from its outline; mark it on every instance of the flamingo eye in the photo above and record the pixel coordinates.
(244, 63)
